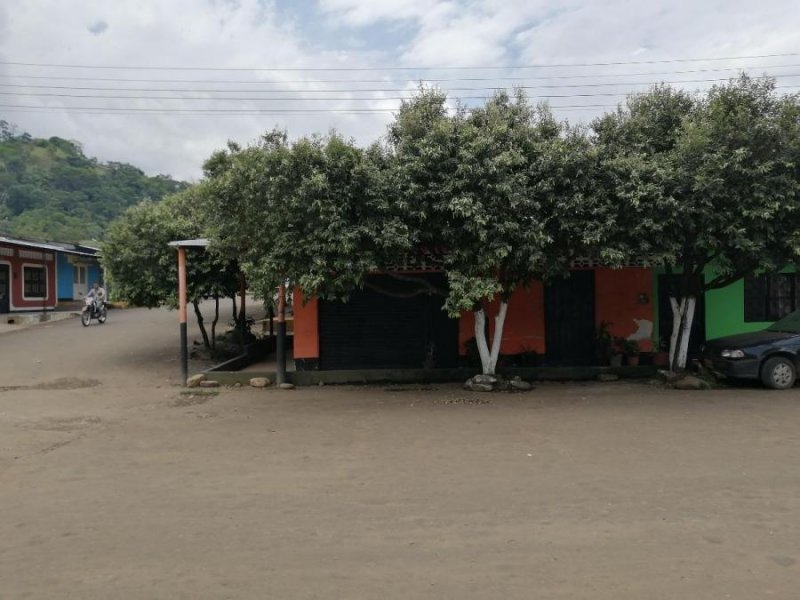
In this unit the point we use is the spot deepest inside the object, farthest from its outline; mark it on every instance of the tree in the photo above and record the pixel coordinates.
(143, 268)
(307, 213)
(705, 183)
(501, 189)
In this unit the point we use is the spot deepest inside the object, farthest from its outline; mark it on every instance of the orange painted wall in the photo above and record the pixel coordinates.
(524, 326)
(306, 326)
(617, 300)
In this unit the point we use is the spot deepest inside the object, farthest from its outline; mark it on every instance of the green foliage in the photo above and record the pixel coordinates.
(310, 213)
(142, 267)
(51, 190)
(701, 182)
(503, 189)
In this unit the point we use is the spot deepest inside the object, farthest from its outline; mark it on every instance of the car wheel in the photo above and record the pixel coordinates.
(778, 373)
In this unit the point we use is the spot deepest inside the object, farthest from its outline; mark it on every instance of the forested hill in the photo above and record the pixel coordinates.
(50, 190)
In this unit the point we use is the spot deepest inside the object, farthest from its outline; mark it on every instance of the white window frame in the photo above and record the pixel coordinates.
(46, 269)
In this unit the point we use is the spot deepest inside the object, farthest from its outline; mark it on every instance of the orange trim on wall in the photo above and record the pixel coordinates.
(617, 302)
(306, 326)
(524, 327)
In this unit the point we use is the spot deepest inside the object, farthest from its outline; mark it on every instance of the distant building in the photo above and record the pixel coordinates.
(35, 275)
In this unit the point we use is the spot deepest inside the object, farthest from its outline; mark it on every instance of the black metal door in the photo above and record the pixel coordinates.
(569, 319)
(388, 325)
(668, 284)
(5, 289)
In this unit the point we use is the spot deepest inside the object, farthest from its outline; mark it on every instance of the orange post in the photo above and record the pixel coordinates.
(182, 313)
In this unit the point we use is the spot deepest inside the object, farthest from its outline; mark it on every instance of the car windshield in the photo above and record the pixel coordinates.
(790, 323)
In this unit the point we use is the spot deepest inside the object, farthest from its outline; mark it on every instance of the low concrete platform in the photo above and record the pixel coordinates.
(16, 321)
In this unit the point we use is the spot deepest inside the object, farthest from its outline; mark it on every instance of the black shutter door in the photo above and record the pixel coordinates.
(5, 289)
(376, 330)
(569, 319)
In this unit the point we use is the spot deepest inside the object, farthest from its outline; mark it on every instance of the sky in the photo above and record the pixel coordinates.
(161, 84)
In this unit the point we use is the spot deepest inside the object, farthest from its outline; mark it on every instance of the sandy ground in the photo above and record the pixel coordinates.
(114, 484)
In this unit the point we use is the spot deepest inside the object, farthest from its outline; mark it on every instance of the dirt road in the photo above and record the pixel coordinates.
(131, 489)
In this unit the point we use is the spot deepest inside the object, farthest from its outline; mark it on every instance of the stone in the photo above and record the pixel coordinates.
(607, 377)
(260, 382)
(286, 386)
(490, 379)
(209, 383)
(480, 387)
(690, 382)
(195, 380)
(518, 384)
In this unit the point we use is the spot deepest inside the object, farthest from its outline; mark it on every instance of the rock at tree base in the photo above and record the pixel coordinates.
(690, 382)
(209, 383)
(286, 386)
(195, 380)
(607, 377)
(493, 383)
(260, 382)
(522, 386)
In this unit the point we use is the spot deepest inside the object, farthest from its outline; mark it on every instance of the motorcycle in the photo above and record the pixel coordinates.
(93, 311)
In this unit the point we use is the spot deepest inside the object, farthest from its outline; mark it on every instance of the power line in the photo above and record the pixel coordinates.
(385, 80)
(301, 98)
(211, 111)
(375, 90)
(389, 68)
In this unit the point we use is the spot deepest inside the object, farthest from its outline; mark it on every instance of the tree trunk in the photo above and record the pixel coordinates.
(677, 312)
(489, 358)
(235, 311)
(201, 324)
(683, 317)
(214, 324)
(480, 339)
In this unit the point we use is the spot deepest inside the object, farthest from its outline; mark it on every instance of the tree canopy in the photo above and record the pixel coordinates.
(705, 183)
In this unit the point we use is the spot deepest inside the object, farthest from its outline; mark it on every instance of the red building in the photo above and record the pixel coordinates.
(557, 322)
(27, 275)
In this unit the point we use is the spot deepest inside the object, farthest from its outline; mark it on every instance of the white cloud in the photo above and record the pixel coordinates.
(220, 35)
(354, 33)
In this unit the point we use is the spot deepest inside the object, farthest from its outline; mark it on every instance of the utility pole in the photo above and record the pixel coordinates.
(280, 343)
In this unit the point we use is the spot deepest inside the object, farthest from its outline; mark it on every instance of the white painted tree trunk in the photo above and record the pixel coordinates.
(686, 330)
(682, 319)
(499, 321)
(677, 312)
(480, 339)
(489, 358)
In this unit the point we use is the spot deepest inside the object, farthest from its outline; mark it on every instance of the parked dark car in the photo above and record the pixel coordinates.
(770, 355)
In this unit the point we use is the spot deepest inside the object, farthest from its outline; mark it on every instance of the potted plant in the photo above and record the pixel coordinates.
(604, 343)
(661, 356)
(631, 350)
(617, 350)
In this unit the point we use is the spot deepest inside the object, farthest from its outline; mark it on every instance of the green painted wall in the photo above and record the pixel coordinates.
(724, 309)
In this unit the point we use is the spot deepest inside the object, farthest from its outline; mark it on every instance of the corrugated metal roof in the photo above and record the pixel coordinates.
(65, 248)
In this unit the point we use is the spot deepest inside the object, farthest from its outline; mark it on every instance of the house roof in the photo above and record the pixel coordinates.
(197, 243)
(63, 247)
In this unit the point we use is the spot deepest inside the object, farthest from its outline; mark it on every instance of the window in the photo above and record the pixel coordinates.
(35, 279)
(79, 275)
(770, 297)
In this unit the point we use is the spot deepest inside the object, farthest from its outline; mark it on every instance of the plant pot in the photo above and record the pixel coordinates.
(633, 360)
(661, 359)
(616, 360)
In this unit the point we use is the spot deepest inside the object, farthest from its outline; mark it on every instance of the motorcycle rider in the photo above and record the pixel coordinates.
(98, 294)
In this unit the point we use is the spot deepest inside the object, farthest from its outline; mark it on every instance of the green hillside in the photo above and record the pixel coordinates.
(50, 190)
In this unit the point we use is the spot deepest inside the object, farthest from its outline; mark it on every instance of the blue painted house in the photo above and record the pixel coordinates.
(77, 269)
